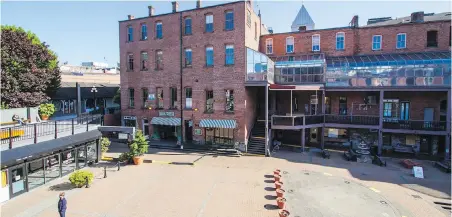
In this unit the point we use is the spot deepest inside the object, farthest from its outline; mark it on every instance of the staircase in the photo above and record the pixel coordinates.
(256, 144)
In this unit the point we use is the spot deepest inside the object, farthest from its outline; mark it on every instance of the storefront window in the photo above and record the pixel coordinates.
(52, 169)
(68, 164)
(35, 173)
(81, 157)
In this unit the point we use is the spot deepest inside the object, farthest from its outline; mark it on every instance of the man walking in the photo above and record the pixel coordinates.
(62, 205)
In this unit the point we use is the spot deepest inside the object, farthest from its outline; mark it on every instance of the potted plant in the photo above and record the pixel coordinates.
(78, 178)
(104, 143)
(280, 192)
(281, 202)
(46, 110)
(277, 177)
(138, 148)
(284, 213)
(278, 185)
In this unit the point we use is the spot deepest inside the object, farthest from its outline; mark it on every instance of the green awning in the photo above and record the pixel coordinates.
(210, 123)
(165, 121)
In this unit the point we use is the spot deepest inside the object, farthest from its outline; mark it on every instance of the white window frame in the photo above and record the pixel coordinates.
(293, 44)
(343, 36)
(381, 42)
(268, 41)
(397, 41)
(312, 42)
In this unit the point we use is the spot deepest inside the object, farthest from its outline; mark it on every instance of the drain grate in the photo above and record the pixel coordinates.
(383, 202)
(416, 196)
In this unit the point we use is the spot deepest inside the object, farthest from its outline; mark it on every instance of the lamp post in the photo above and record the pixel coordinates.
(94, 91)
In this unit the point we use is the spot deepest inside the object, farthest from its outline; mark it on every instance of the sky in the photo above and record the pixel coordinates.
(82, 31)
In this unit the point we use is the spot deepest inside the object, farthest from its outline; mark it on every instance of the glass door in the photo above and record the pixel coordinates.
(17, 180)
(404, 111)
(81, 157)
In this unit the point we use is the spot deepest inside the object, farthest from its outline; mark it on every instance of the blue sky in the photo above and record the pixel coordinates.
(88, 31)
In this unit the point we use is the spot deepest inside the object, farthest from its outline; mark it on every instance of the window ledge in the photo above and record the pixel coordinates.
(189, 66)
(188, 109)
(229, 65)
(340, 50)
(143, 39)
(208, 66)
(208, 112)
(227, 30)
(401, 48)
(206, 32)
(229, 112)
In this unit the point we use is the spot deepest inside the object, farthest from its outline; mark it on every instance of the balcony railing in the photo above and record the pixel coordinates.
(299, 78)
(352, 119)
(415, 125)
(296, 120)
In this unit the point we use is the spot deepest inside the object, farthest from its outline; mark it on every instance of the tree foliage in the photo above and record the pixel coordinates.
(29, 71)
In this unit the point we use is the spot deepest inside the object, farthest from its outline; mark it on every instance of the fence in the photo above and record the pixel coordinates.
(10, 135)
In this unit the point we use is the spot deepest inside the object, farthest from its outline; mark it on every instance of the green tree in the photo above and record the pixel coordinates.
(29, 72)
(117, 97)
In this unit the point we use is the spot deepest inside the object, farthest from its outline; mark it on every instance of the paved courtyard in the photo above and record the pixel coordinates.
(221, 186)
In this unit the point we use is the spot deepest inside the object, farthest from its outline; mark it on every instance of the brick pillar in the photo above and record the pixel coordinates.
(380, 127)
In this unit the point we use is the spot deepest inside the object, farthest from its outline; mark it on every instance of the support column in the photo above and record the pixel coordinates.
(267, 149)
(291, 101)
(448, 125)
(380, 127)
(323, 101)
(274, 101)
(322, 138)
(303, 142)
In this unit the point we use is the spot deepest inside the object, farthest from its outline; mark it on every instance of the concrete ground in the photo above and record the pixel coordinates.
(221, 186)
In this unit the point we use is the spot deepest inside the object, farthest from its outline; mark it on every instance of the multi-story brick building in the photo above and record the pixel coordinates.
(386, 84)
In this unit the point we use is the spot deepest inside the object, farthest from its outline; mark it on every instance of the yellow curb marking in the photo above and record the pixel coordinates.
(107, 158)
(327, 174)
(373, 189)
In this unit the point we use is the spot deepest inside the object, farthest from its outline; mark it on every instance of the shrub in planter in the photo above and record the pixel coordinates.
(138, 147)
(124, 157)
(46, 110)
(78, 178)
(104, 143)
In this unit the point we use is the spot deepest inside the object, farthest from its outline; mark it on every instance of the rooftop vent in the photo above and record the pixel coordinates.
(378, 20)
(270, 30)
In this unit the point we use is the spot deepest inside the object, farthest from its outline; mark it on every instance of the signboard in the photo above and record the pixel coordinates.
(418, 172)
(198, 132)
(130, 118)
(166, 114)
(122, 136)
(190, 123)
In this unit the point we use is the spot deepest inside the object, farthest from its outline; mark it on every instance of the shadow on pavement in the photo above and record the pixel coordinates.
(270, 189)
(65, 186)
(269, 181)
(270, 197)
(268, 176)
(270, 207)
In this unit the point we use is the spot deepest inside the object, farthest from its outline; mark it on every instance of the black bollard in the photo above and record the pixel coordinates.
(87, 182)
(119, 166)
(105, 171)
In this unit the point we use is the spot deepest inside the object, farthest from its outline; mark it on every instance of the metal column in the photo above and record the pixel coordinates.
(303, 136)
(448, 125)
(267, 148)
(291, 101)
(380, 127)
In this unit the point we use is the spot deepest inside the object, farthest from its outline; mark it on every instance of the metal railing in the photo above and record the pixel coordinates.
(296, 120)
(300, 78)
(10, 135)
(415, 125)
(353, 119)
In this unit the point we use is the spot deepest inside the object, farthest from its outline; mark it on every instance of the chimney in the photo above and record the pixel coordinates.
(354, 23)
(151, 10)
(270, 30)
(198, 4)
(417, 17)
(302, 28)
(130, 17)
(175, 6)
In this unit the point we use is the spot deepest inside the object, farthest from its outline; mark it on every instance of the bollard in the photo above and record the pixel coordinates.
(87, 182)
(105, 171)
(119, 166)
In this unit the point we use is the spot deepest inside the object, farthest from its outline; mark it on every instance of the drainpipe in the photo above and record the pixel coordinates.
(181, 85)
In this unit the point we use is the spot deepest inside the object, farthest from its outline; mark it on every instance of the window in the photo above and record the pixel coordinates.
(159, 98)
(144, 96)
(209, 101)
(209, 56)
(248, 18)
(316, 43)
(290, 58)
(404, 110)
(173, 98)
(340, 36)
(129, 33)
(144, 61)
(187, 26)
(229, 20)
(255, 31)
(387, 109)
(229, 101)
(209, 23)
(130, 62)
(342, 105)
(229, 52)
(131, 98)
(376, 42)
(188, 58)
(432, 39)
(289, 44)
(269, 45)
(158, 30)
(144, 32)
(159, 60)
(401, 41)
(188, 98)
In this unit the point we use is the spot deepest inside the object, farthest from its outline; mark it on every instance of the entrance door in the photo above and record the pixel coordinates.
(424, 143)
(428, 117)
(188, 131)
(18, 180)
(145, 127)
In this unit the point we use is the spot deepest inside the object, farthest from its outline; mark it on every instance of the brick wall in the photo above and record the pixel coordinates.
(419, 101)
(353, 101)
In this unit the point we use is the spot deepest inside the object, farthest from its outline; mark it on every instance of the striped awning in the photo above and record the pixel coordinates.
(210, 123)
(165, 121)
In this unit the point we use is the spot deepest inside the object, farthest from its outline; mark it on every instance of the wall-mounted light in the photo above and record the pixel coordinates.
(196, 109)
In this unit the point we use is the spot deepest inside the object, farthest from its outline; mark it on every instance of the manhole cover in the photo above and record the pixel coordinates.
(383, 202)
(284, 172)
(290, 191)
(347, 182)
(416, 196)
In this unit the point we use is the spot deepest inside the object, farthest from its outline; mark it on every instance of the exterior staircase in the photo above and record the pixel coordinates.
(256, 144)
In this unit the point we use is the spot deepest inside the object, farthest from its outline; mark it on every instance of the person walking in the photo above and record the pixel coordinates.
(62, 205)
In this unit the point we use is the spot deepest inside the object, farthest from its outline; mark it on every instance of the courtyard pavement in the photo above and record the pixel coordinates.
(222, 186)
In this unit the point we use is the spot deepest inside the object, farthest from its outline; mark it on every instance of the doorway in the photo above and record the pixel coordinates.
(189, 130)
(18, 180)
(146, 127)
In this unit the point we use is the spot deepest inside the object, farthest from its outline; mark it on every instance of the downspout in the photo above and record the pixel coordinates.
(181, 85)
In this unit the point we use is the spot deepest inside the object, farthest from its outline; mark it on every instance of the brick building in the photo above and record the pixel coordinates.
(385, 84)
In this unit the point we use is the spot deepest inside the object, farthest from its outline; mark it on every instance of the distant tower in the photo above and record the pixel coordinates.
(302, 20)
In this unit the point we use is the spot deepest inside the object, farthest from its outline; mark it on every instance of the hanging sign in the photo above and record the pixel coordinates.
(130, 118)
(198, 132)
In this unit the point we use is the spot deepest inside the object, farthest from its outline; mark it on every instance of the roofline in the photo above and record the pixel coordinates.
(193, 9)
(400, 24)
(313, 30)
